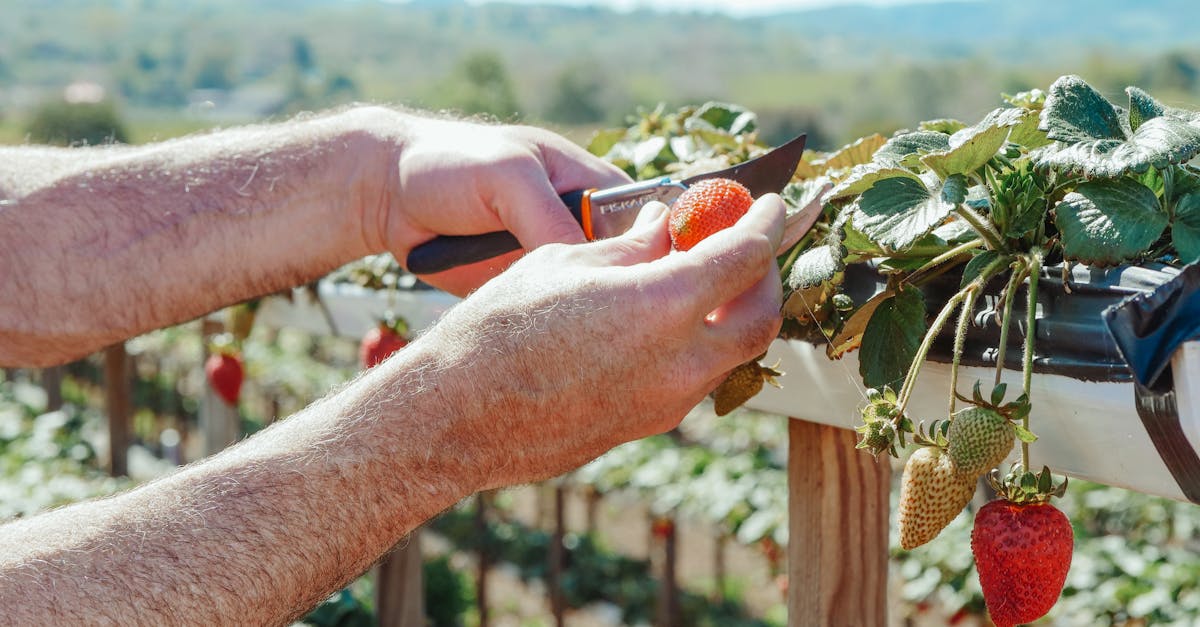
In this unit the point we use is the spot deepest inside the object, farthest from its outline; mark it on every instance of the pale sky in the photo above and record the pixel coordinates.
(734, 7)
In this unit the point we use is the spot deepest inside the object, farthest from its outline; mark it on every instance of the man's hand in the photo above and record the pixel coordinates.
(100, 244)
(576, 349)
(573, 350)
(464, 178)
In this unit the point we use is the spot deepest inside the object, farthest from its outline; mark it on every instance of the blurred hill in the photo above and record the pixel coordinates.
(836, 71)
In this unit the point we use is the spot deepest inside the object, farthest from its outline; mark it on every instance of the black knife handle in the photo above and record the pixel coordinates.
(450, 251)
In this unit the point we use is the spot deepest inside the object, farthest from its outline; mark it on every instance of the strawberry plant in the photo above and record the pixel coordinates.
(1052, 179)
(953, 224)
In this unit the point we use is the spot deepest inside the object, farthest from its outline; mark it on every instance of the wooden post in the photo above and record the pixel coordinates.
(481, 597)
(592, 496)
(218, 419)
(668, 591)
(116, 390)
(838, 528)
(399, 585)
(52, 378)
(555, 556)
(719, 568)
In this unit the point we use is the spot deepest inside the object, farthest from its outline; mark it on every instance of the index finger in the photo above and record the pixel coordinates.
(569, 167)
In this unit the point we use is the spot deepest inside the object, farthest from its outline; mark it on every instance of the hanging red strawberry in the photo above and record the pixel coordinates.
(225, 374)
(382, 340)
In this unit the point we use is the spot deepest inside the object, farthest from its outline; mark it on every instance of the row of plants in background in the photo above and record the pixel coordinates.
(592, 573)
(1050, 179)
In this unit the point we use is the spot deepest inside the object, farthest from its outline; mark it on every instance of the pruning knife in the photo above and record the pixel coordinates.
(611, 211)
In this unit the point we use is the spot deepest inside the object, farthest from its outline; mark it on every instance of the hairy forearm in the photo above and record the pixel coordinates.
(99, 244)
(263, 532)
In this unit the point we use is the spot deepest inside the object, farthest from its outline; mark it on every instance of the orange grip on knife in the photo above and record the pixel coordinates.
(585, 214)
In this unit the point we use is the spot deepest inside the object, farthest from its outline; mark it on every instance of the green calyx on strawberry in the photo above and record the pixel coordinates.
(706, 207)
(389, 336)
(979, 437)
(742, 384)
(224, 369)
(1022, 546)
(881, 432)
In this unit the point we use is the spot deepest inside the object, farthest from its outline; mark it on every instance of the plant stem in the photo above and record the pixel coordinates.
(1035, 271)
(923, 350)
(949, 255)
(786, 268)
(934, 329)
(960, 336)
(982, 226)
(1010, 293)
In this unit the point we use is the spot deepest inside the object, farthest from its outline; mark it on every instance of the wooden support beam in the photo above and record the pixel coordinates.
(117, 393)
(556, 556)
(400, 587)
(484, 562)
(667, 612)
(218, 421)
(838, 528)
(52, 379)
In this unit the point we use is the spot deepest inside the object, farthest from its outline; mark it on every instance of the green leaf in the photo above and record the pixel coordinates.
(817, 265)
(896, 212)
(1045, 481)
(1026, 132)
(1076, 112)
(646, 152)
(1033, 99)
(722, 116)
(1158, 142)
(954, 231)
(976, 265)
(1025, 435)
(862, 177)
(604, 140)
(1185, 232)
(892, 338)
(857, 153)
(858, 244)
(1142, 107)
(1109, 222)
(998, 393)
(954, 190)
(1099, 142)
(906, 149)
(944, 125)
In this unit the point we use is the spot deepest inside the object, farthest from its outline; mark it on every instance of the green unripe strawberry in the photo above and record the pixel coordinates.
(932, 493)
(980, 438)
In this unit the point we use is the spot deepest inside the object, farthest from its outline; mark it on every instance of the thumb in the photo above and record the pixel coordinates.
(645, 241)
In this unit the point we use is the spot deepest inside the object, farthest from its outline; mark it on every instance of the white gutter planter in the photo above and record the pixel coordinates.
(1085, 410)
(348, 310)
(1085, 429)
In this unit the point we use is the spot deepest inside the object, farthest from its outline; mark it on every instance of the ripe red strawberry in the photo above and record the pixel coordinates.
(932, 493)
(1022, 552)
(225, 375)
(705, 208)
(662, 527)
(379, 343)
